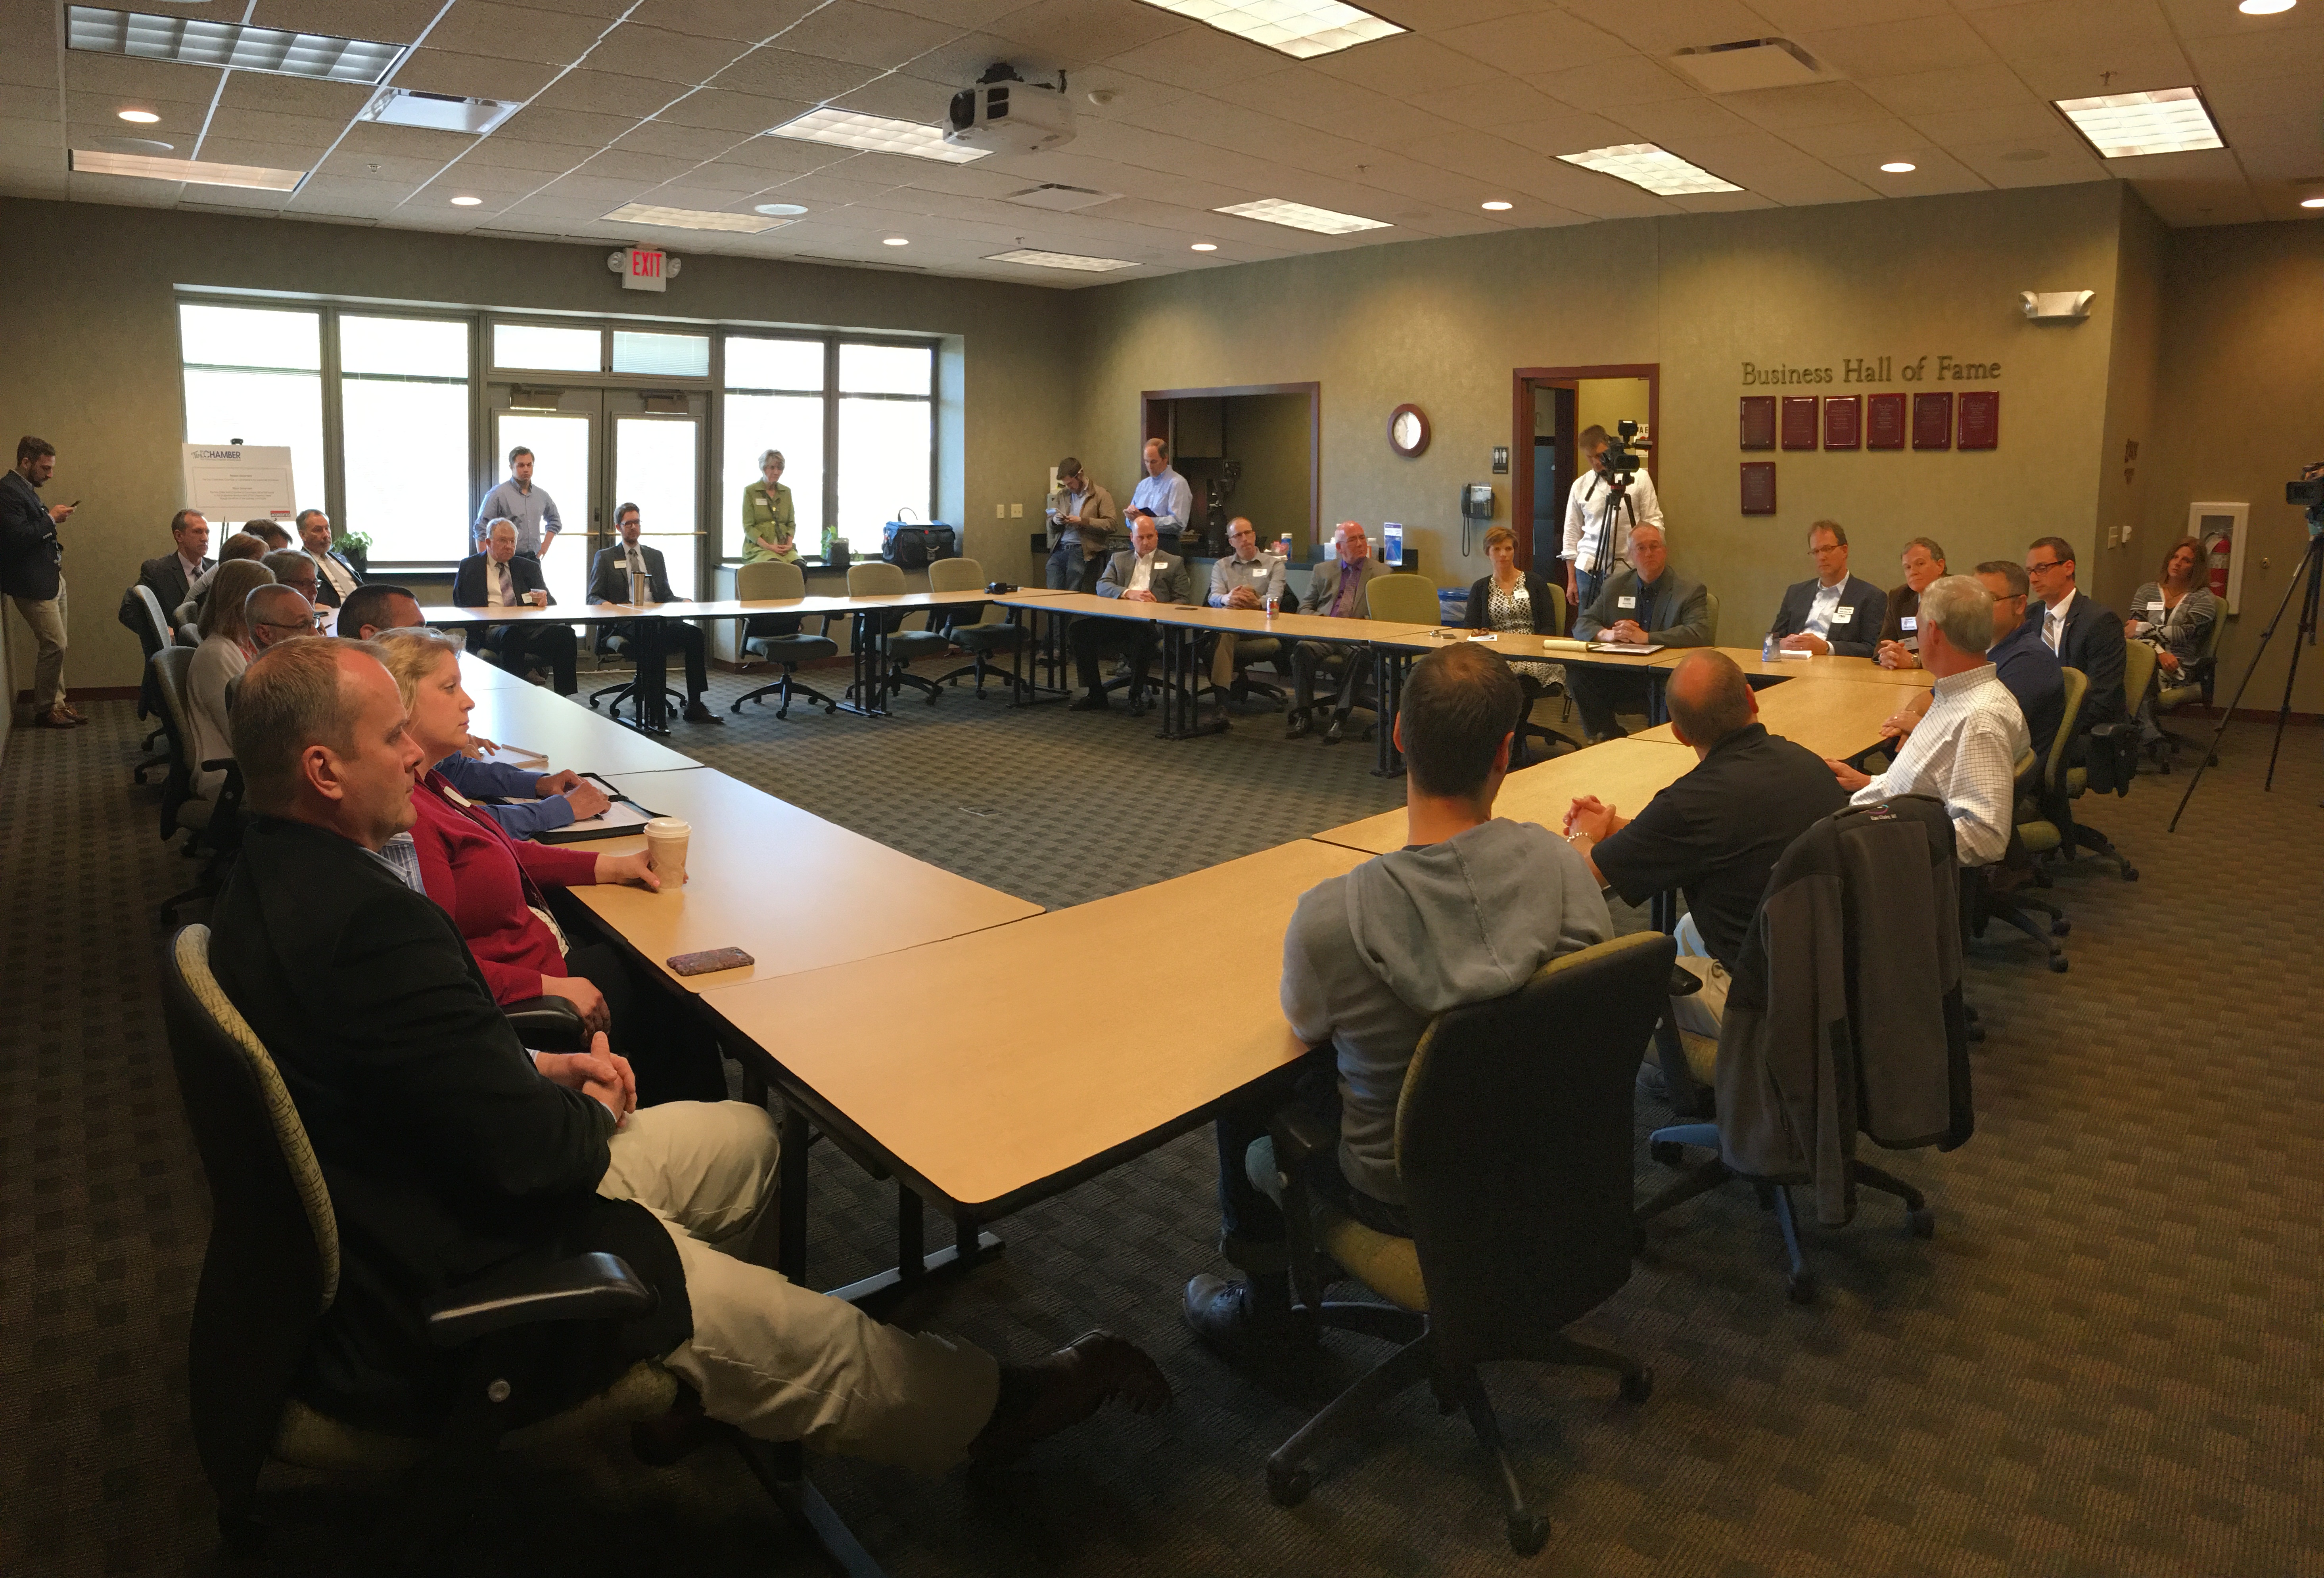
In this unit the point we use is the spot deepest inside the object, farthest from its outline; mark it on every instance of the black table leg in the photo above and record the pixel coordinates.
(1388, 690)
(648, 709)
(781, 1466)
(1657, 711)
(866, 694)
(790, 1255)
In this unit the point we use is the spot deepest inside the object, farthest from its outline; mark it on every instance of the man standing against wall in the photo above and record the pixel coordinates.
(1162, 497)
(1084, 519)
(530, 509)
(31, 573)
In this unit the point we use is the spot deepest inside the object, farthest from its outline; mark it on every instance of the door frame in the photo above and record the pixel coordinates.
(1522, 383)
(598, 402)
(1153, 423)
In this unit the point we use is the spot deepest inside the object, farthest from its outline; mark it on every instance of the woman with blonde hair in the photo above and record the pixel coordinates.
(225, 652)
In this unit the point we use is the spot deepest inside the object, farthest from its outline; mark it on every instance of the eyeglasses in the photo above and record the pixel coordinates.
(2037, 569)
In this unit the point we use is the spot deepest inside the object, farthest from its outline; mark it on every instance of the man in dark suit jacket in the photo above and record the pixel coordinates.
(171, 576)
(632, 572)
(1141, 573)
(1645, 602)
(31, 572)
(451, 1153)
(501, 577)
(335, 573)
(1340, 587)
(2085, 635)
(1834, 612)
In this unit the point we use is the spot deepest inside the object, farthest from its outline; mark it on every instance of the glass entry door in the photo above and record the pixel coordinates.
(596, 449)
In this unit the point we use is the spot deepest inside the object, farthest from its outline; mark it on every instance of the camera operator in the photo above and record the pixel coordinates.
(1598, 496)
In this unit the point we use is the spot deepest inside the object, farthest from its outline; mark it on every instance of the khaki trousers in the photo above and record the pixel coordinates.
(777, 1360)
(46, 618)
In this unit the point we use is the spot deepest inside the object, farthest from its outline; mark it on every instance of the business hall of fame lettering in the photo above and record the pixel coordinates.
(1867, 371)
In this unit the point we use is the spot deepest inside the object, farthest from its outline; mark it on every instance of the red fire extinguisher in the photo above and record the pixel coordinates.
(2221, 547)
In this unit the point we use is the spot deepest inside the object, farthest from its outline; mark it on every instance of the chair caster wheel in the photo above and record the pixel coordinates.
(831, 710)
(2060, 928)
(1528, 1532)
(2058, 964)
(782, 711)
(1800, 1290)
(1287, 1487)
(2130, 874)
(1924, 1223)
(1669, 1152)
(1638, 1388)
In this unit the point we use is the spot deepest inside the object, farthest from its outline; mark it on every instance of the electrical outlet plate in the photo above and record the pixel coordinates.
(1015, 512)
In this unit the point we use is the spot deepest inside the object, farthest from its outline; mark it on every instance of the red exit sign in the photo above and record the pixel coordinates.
(647, 270)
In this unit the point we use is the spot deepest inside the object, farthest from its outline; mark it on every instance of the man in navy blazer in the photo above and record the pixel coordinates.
(2084, 634)
(1835, 613)
(501, 577)
(631, 565)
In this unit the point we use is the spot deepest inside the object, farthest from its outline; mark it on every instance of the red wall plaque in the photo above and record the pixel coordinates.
(1758, 421)
(1884, 421)
(1843, 421)
(1799, 421)
(1980, 419)
(1932, 420)
(1759, 487)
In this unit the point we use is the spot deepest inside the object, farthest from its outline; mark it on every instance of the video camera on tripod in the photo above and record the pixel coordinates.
(1621, 462)
(2308, 494)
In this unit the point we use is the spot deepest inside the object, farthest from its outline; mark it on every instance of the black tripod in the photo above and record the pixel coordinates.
(2307, 580)
(1610, 528)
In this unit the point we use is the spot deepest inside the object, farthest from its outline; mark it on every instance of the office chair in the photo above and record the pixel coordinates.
(983, 640)
(1711, 607)
(777, 638)
(1512, 1140)
(610, 642)
(182, 810)
(1876, 873)
(899, 648)
(2137, 673)
(2041, 819)
(270, 1273)
(152, 637)
(2192, 685)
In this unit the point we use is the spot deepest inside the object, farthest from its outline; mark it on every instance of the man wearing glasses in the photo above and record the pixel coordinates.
(2023, 662)
(276, 614)
(2083, 635)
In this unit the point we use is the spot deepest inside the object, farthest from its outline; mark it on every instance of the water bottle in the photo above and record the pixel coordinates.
(1768, 649)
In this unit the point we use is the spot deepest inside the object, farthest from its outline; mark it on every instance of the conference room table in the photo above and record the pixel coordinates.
(1863, 670)
(1834, 717)
(650, 708)
(1396, 654)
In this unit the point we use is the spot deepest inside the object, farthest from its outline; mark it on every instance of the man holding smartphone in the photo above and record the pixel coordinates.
(33, 576)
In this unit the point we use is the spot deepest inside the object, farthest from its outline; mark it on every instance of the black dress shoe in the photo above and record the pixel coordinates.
(1296, 726)
(1336, 733)
(696, 712)
(1094, 702)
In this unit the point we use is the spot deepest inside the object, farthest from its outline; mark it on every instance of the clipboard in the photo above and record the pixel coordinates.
(623, 816)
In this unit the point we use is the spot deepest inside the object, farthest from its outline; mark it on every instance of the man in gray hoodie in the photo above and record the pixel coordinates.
(1464, 912)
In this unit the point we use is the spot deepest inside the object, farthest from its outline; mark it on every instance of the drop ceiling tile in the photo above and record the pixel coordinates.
(491, 182)
(1671, 25)
(1884, 48)
(264, 155)
(2259, 56)
(1767, 167)
(2064, 157)
(1534, 42)
(503, 152)
(957, 62)
(129, 81)
(1403, 65)
(618, 163)
(1914, 93)
(402, 142)
(582, 186)
(1938, 172)
(1196, 58)
(726, 110)
(472, 75)
(1076, 30)
(27, 133)
(1692, 128)
(664, 55)
(378, 169)
(548, 125)
(2124, 70)
(828, 191)
(1613, 86)
(960, 14)
(689, 142)
(393, 21)
(726, 176)
(1814, 104)
(603, 93)
(774, 73)
(970, 181)
(899, 96)
(1568, 133)
(2189, 203)
(866, 35)
(603, 10)
(1860, 144)
(1503, 101)
(294, 95)
(2048, 30)
(517, 32)
(34, 64)
(787, 154)
(348, 194)
(38, 104)
(1795, 17)
(2277, 147)
(2197, 19)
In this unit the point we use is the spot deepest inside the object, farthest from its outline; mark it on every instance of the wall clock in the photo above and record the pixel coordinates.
(1407, 430)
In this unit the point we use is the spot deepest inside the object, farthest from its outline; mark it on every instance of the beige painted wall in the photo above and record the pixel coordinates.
(2240, 410)
(1443, 323)
(2112, 567)
(92, 347)
(1268, 433)
(1604, 402)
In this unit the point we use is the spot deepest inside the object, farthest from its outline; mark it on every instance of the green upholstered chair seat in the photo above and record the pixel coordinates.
(2172, 697)
(2039, 837)
(1702, 1056)
(909, 646)
(1388, 1265)
(988, 638)
(305, 1438)
(1403, 597)
(799, 648)
(2078, 780)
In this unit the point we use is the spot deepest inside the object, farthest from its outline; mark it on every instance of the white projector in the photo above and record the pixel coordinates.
(1010, 116)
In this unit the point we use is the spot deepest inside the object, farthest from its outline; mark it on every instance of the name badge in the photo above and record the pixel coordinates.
(1911, 622)
(1626, 602)
(1844, 615)
(620, 564)
(2154, 608)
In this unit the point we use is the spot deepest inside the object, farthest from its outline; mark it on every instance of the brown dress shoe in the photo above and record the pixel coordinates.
(55, 717)
(1062, 1390)
(71, 711)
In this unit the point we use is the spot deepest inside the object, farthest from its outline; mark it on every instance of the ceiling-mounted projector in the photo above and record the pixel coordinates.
(1005, 114)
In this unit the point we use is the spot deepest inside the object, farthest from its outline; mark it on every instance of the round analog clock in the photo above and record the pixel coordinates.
(1407, 430)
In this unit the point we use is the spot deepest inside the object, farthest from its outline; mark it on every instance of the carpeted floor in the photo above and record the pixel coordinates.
(2104, 1363)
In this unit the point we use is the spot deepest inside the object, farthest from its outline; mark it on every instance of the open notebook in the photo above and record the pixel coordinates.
(624, 815)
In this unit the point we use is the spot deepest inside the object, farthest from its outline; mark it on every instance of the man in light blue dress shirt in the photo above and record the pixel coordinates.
(531, 509)
(1162, 495)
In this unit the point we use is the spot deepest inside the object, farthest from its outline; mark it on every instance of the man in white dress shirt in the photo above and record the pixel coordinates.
(1965, 751)
(1162, 497)
(1591, 553)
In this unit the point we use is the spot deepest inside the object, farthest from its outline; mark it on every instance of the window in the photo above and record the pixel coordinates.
(255, 375)
(546, 349)
(404, 414)
(664, 355)
(774, 400)
(887, 439)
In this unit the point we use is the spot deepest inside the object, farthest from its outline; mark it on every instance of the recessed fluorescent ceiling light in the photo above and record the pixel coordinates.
(1300, 216)
(1205, 246)
(2127, 125)
(1301, 29)
(876, 134)
(1659, 170)
(439, 111)
(1898, 166)
(466, 202)
(1497, 207)
(195, 42)
(896, 241)
(688, 218)
(1032, 258)
(90, 162)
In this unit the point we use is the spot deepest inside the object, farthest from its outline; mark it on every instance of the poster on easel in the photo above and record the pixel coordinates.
(239, 482)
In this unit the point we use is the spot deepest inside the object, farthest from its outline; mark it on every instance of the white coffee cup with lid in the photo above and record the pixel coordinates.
(665, 840)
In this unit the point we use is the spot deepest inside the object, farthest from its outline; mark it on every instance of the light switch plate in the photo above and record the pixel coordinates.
(1001, 512)
(1015, 512)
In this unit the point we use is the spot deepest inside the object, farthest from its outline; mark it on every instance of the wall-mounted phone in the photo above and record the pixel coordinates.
(1476, 505)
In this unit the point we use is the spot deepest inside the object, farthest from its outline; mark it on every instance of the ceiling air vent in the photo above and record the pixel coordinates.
(1750, 63)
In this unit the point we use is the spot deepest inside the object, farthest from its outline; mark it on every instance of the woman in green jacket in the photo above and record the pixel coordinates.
(769, 521)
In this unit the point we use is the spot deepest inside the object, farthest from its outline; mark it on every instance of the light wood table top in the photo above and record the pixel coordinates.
(1532, 649)
(1832, 717)
(998, 1067)
(541, 722)
(1624, 772)
(1862, 670)
(1203, 617)
(796, 892)
(600, 614)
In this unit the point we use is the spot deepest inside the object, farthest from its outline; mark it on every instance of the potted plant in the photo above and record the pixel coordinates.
(356, 546)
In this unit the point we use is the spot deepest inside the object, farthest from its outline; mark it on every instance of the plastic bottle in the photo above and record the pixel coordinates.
(1768, 649)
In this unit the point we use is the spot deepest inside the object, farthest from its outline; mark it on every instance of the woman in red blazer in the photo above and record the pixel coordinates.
(491, 886)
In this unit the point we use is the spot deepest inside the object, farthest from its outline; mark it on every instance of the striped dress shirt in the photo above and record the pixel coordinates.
(1964, 753)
